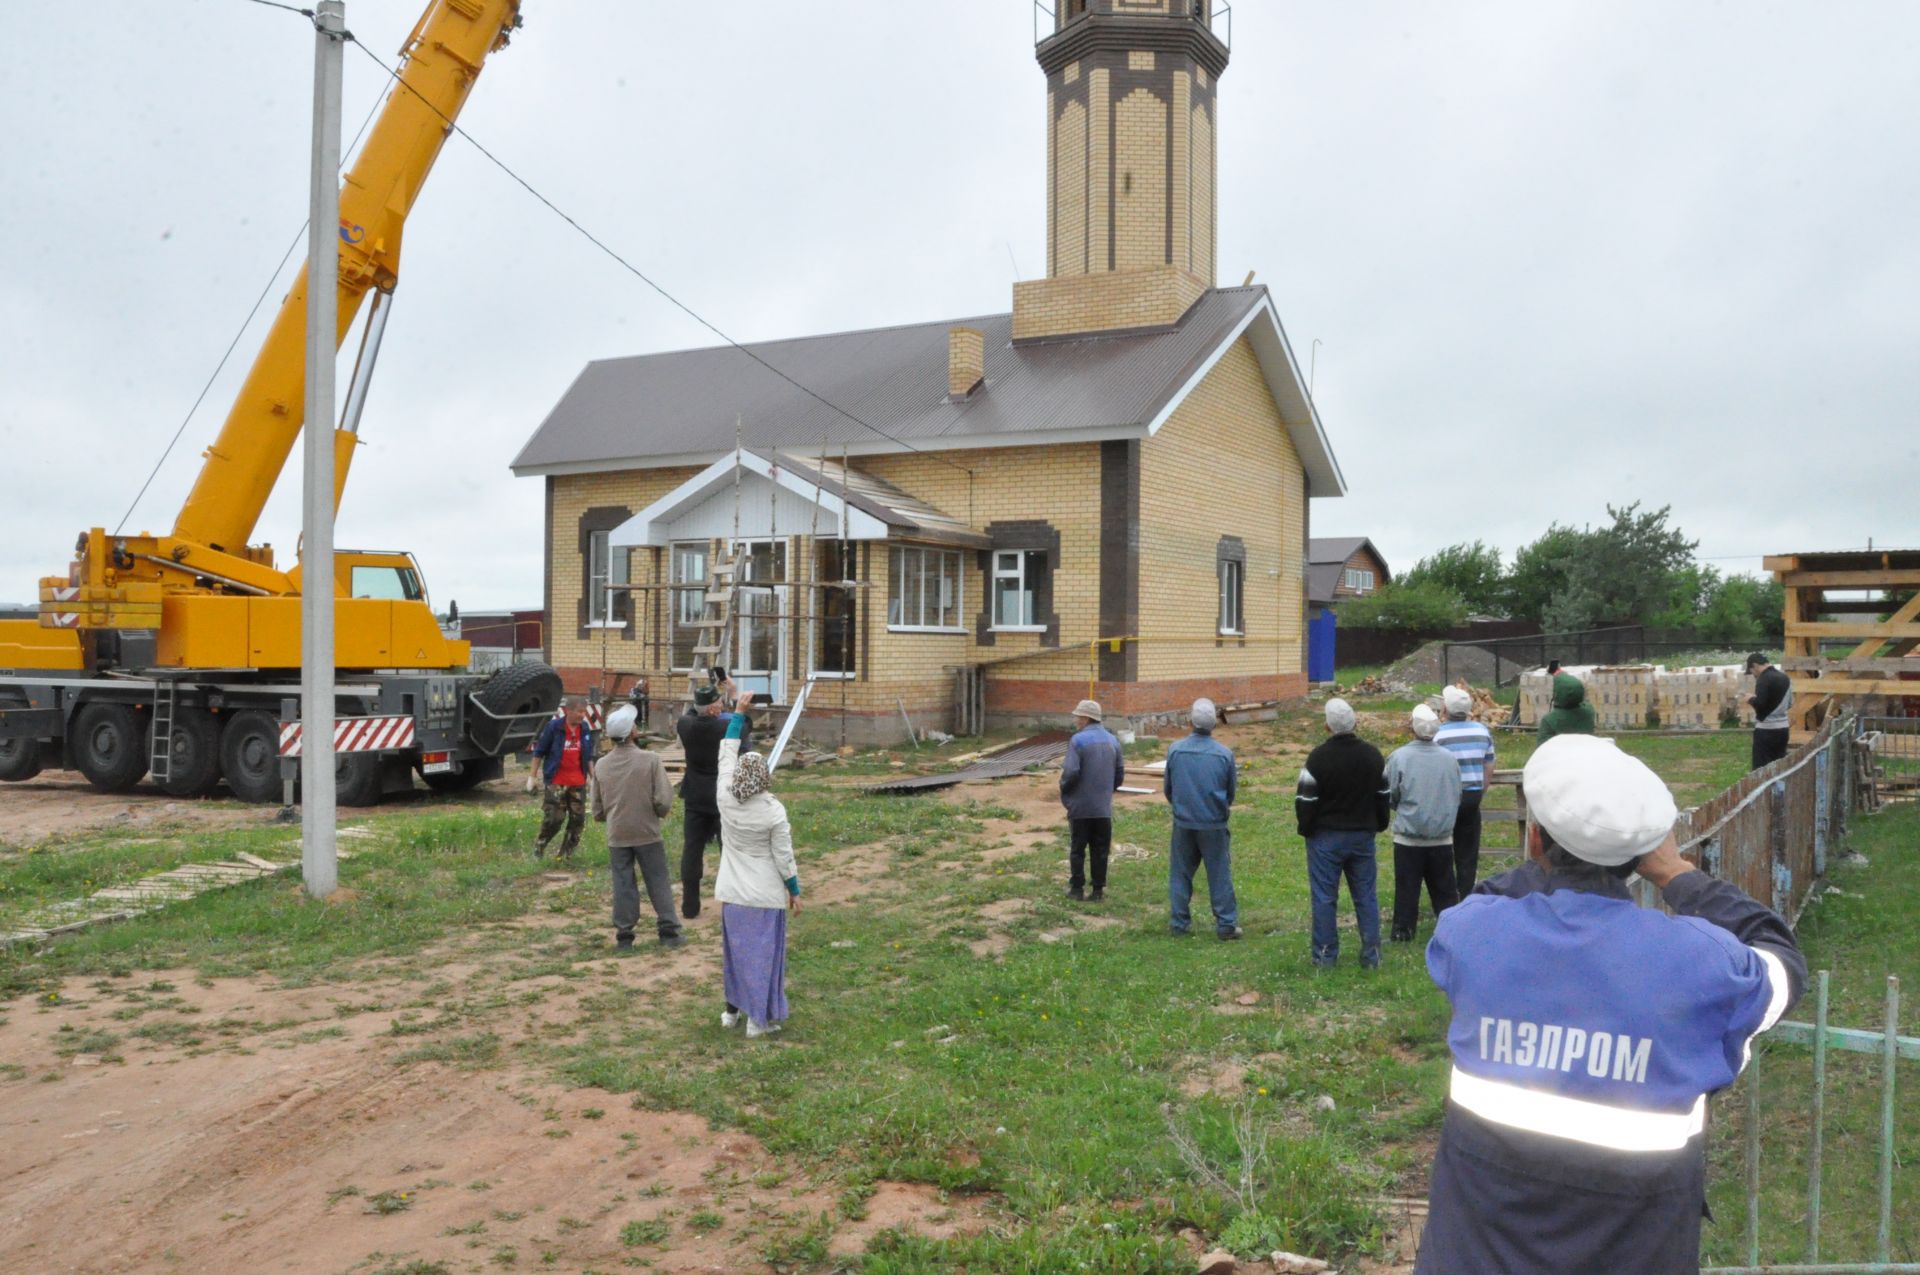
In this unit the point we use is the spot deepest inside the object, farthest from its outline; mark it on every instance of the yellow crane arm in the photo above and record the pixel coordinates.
(443, 59)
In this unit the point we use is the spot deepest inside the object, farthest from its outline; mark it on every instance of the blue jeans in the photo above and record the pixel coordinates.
(1329, 856)
(1191, 848)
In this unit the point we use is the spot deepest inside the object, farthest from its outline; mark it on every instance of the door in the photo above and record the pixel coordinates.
(760, 646)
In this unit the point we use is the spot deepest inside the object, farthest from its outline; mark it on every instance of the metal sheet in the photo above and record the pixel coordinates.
(1002, 762)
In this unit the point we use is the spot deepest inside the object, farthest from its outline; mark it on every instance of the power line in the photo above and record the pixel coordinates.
(634, 270)
(244, 323)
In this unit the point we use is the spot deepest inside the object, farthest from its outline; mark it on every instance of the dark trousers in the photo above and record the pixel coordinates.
(1332, 855)
(652, 862)
(1466, 842)
(1769, 746)
(697, 829)
(1092, 838)
(1411, 866)
(1190, 848)
(562, 806)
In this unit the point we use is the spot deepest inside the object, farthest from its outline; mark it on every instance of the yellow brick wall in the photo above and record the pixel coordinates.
(1222, 465)
(1153, 297)
(1140, 214)
(573, 495)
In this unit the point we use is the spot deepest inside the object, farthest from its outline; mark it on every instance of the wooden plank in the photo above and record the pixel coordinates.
(1885, 632)
(1815, 663)
(1903, 618)
(1853, 686)
(265, 865)
(1779, 564)
(1886, 578)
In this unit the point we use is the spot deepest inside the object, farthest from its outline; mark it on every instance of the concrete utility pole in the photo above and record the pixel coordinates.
(318, 862)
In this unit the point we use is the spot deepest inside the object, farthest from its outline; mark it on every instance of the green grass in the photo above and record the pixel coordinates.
(1861, 937)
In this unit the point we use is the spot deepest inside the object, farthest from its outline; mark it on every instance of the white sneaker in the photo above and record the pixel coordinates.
(729, 1019)
(761, 1029)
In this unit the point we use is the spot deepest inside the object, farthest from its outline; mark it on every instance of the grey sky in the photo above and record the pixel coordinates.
(1556, 254)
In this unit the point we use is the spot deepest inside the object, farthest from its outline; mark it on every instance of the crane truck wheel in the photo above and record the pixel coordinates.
(250, 755)
(19, 758)
(356, 779)
(530, 687)
(193, 767)
(109, 743)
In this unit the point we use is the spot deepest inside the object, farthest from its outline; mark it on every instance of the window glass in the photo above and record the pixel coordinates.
(926, 588)
(1015, 573)
(689, 567)
(1232, 597)
(834, 641)
(385, 584)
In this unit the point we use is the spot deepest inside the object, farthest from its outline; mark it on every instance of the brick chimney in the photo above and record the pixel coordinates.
(966, 361)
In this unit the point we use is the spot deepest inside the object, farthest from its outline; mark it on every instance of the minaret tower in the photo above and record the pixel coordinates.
(1130, 158)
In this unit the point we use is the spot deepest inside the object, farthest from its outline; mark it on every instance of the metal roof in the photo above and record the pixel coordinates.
(681, 408)
(1337, 548)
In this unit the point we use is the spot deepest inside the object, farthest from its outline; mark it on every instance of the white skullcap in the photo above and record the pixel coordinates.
(1425, 722)
(621, 722)
(1339, 717)
(1597, 802)
(1204, 717)
(1458, 702)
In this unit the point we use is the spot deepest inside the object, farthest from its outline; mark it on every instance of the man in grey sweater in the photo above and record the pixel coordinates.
(1423, 787)
(631, 796)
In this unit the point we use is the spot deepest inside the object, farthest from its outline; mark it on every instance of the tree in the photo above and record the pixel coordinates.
(1630, 572)
(1540, 572)
(1743, 611)
(1474, 573)
(1400, 605)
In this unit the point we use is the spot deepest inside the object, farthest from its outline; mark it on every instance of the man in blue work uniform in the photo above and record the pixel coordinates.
(1587, 1033)
(1093, 769)
(1202, 778)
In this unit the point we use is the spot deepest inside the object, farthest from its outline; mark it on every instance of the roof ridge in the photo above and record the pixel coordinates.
(811, 336)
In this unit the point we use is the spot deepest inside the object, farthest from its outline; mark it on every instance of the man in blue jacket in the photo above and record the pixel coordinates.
(1093, 768)
(1587, 1032)
(1201, 780)
(565, 752)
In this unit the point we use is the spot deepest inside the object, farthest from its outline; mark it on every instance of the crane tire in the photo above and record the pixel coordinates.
(193, 768)
(250, 755)
(19, 760)
(109, 743)
(356, 779)
(529, 687)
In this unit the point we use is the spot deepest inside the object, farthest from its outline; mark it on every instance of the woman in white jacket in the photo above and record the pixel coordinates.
(759, 884)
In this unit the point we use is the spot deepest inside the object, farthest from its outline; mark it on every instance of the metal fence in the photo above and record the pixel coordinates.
(1622, 644)
(1890, 1046)
(1890, 760)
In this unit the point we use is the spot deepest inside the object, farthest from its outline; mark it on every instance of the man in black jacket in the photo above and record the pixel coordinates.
(1772, 697)
(701, 728)
(1341, 806)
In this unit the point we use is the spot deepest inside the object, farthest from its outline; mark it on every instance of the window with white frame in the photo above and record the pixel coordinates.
(1016, 588)
(606, 566)
(927, 594)
(835, 640)
(1359, 581)
(1233, 596)
(689, 567)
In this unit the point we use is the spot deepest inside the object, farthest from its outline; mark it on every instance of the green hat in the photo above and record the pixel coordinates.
(705, 695)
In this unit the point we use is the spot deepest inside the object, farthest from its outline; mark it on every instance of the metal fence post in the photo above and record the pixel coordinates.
(1883, 1241)
(1753, 1160)
(1819, 1115)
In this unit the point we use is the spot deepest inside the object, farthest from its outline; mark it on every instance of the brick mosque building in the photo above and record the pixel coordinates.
(1104, 489)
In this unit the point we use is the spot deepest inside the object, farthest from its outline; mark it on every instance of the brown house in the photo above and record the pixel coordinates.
(1343, 567)
(1103, 491)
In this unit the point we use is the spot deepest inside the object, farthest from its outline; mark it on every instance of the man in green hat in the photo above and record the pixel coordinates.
(701, 728)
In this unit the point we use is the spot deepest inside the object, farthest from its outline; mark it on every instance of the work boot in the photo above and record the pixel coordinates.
(673, 940)
(1098, 894)
(1228, 936)
(690, 906)
(1077, 893)
(623, 940)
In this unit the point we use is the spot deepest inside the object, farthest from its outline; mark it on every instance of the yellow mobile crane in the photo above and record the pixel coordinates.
(180, 653)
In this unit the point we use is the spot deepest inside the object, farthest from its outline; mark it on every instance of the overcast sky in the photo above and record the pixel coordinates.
(1555, 254)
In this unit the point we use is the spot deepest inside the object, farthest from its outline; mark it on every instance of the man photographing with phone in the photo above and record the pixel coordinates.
(1587, 1032)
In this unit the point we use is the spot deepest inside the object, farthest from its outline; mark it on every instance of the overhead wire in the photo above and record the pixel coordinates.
(245, 323)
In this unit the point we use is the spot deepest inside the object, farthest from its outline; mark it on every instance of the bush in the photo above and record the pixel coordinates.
(1404, 606)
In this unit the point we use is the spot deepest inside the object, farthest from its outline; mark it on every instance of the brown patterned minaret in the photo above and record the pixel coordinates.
(1130, 155)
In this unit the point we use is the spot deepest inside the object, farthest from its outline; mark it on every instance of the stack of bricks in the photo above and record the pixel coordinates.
(1628, 697)
(1621, 694)
(1705, 697)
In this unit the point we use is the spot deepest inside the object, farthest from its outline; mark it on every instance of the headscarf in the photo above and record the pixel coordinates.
(750, 777)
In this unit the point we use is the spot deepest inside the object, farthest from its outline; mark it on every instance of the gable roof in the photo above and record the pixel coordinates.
(681, 408)
(1325, 559)
(1338, 548)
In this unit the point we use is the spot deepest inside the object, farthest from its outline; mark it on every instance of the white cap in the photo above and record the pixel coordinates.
(1339, 716)
(1425, 722)
(1204, 717)
(1459, 703)
(621, 721)
(1597, 802)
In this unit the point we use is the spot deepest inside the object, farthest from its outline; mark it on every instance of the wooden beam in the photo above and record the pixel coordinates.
(1780, 563)
(1814, 664)
(1885, 631)
(1891, 578)
(1853, 686)
(1903, 618)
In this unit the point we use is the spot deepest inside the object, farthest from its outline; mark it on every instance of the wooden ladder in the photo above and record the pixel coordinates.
(716, 623)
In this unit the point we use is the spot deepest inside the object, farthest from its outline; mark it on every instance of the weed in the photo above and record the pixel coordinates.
(386, 1202)
(474, 1227)
(640, 1231)
(704, 1221)
(340, 1193)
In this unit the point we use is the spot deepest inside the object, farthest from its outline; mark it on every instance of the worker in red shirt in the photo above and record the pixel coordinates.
(565, 750)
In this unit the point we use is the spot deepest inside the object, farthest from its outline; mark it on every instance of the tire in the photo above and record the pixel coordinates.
(518, 688)
(109, 744)
(194, 761)
(356, 779)
(19, 760)
(250, 755)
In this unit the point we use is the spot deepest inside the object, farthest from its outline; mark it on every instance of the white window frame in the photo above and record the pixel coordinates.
(1233, 598)
(1359, 580)
(599, 597)
(949, 580)
(1019, 572)
(683, 608)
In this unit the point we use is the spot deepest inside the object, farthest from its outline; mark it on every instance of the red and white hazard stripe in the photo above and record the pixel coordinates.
(355, 735)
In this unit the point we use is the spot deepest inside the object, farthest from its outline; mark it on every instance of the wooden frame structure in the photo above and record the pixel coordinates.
(1867, 597)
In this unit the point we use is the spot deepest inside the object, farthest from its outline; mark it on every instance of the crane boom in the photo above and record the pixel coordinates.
(444, 56)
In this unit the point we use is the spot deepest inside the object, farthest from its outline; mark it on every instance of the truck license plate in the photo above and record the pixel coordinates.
(436, 764)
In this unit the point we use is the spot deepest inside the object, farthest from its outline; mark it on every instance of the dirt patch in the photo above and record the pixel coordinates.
(914, 1207)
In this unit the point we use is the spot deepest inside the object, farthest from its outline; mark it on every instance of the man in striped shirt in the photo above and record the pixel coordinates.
(1471, 744)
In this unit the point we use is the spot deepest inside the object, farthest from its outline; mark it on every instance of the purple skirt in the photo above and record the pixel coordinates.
(753, 949)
